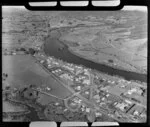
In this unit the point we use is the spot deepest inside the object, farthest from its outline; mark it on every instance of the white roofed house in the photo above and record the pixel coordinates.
(124, 106)
(66, 76)
(87, 109)
(77, 100)
(86, 81)
(78, 88)
(48, 88)
(97, 114)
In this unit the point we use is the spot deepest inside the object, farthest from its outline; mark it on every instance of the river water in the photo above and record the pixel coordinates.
(53, 45)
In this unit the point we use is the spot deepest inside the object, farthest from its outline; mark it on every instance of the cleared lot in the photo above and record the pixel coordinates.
(9, 107)
(22, 70)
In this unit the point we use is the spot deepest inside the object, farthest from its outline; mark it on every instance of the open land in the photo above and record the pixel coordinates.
(61, 91)
(120, 42)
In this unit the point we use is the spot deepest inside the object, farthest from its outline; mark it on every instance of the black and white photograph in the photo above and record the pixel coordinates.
(86, 66)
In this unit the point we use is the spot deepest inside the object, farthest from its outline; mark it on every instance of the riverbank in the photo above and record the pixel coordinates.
(31, 110)
(105, 63)
(133, 68)
(137, 70)
(70, 45)
(51, 49)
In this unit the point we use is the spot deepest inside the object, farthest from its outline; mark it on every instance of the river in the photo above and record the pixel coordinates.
(54, 47)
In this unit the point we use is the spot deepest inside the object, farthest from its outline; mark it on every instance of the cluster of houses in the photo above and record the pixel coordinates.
(70, 72)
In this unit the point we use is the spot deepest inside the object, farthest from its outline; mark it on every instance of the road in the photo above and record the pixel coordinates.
(65, 85)
(74, 93)
(55, 77)
(47, 94)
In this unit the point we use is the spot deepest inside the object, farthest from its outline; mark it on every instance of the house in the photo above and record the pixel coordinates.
(97, 114)
(87, 109)
(78, 88)
(87, 82)
(135, 113)
(56, 103)
(97, 97)
(86, 92)
(48, 88)
(42, 61)
(123, 106)
(14, 53)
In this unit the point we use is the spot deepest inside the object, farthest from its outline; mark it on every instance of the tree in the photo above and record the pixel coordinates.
(31, 51)
(7, 88)
(22, 49)
(6, 75)
(110, 61)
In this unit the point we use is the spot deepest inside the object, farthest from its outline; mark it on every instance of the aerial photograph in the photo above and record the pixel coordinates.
(87, 66)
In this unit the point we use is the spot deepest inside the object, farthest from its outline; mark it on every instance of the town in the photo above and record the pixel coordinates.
(74, 66)
(125, 101)
(94, 93)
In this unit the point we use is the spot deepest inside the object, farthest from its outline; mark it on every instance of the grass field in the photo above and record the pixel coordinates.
(120, 36)
(9, 107)
(122, 39)
(45, 99)
(22, 70)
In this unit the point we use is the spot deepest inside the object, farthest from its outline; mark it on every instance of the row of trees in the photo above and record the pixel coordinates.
(27, 51)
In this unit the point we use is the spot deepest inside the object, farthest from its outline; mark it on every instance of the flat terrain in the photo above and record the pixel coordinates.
(22, 70)
(9, 107)
(118, 39)
(121, 39)
(46, 99)
(22, 28)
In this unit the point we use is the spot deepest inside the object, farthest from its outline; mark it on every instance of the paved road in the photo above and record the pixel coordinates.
(48, 94)
(67, 86)
(84, 100)
(56, 77)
